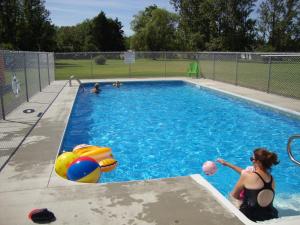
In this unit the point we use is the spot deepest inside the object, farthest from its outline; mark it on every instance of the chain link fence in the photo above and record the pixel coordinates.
(273, 73)
(22, 75)
(277, 73)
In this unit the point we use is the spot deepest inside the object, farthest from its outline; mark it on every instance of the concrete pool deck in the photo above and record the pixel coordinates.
(28, 180)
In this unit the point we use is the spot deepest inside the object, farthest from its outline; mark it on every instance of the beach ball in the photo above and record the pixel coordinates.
(209, 168)
(85, 170)
(63, 162)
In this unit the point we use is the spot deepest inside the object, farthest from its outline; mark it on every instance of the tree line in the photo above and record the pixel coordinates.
(98, 34)
(25, 25)
(197, 25)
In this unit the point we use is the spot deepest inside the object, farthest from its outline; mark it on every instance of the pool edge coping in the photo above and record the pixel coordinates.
(273, 107)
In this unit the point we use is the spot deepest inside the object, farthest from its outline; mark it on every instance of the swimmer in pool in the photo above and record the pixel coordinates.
(96, 89)
(117, 84)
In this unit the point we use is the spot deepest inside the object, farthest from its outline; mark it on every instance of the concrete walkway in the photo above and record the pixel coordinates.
(28, 181)
(18, 123)
(280, 102)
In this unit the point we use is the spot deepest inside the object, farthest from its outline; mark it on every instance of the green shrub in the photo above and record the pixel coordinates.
(100, 60)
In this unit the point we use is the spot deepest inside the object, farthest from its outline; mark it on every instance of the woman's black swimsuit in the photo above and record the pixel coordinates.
(252, 209)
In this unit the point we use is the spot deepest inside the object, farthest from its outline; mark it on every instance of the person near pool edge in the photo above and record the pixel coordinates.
(117, 84)
(96, 89)
(258, 186)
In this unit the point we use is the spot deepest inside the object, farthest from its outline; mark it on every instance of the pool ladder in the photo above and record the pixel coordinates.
(79, 82)
(289, 149)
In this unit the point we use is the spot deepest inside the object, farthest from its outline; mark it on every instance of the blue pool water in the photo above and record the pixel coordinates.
(167, 129)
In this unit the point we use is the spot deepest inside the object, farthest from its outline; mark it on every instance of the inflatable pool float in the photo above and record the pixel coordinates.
(80, 146)
(63, 162)
(108, 164)
(95, 152)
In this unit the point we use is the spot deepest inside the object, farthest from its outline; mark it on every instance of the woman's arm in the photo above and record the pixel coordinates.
(234, 167)
(239, 186)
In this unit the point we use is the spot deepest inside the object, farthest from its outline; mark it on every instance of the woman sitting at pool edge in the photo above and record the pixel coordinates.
(258, 187)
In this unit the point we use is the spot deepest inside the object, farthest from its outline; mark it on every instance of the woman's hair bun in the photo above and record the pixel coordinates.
(267, 158)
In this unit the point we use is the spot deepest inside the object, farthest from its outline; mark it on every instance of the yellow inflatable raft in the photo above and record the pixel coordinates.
(108, 164)
(80, 146)
(95, 152)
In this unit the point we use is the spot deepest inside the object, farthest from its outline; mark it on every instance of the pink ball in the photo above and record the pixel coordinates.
(209, 168)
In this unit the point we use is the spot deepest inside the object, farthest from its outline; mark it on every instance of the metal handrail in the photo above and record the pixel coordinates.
(74, 78)
(289, 150)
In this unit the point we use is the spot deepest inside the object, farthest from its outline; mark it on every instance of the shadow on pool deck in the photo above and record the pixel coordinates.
(18, 123)
(28, 181)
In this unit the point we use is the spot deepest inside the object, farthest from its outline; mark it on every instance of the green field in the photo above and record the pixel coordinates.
(284, 77)
(84, 69)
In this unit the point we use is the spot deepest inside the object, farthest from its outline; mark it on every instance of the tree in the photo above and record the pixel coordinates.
(216, 24)
(98, 34)
(107, 33)
(25, 25)
(195, 22)
(38, 32)
(127, 41)
(236, 26)
(75, 38)
(9, 15)
(115, 39)
(65, 39)
(155, 30)
(279, 22)
(84, 34)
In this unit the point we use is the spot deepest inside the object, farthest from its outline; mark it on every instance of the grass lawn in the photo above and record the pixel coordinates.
(284, 80)
(84, 69)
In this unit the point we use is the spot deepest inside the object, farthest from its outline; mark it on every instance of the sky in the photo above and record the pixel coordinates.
(72, 12)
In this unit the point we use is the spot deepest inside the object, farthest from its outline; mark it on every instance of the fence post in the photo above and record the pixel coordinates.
(2, 99)
(165, 54)
(25, 75)
(2, 103)
(2, 80)
(52, 68)
(199, 66)
(214, 57)
(270, 71)
(48, 69)
(236, 68)
(91, 57)
(38, 55)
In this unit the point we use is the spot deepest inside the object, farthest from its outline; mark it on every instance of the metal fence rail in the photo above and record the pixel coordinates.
(277, 73)
(22, 75)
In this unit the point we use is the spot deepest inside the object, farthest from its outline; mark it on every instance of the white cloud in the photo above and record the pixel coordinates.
(52, 9)
(112, 4)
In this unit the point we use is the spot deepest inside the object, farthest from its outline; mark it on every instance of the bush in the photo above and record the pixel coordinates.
(100, 60)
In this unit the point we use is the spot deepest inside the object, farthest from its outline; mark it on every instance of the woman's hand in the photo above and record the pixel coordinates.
(234, 167)
(222, 161)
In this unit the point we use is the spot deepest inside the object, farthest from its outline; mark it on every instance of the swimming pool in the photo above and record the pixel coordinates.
(167, 129)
